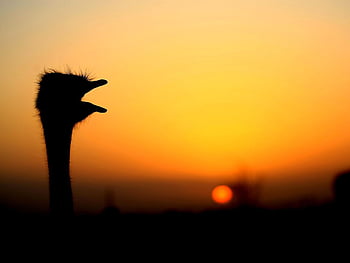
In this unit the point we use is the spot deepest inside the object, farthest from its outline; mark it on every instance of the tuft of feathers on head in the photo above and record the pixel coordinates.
(54, 76)
(83, 74)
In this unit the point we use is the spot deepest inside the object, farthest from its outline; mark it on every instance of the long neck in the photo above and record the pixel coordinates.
(58, 140)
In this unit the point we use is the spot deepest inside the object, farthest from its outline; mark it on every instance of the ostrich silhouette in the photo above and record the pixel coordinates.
(60, 108)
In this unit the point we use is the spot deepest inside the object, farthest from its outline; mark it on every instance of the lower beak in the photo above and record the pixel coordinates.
(99, 109)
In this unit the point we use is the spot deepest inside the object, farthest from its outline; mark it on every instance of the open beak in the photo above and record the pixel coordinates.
(93, 85)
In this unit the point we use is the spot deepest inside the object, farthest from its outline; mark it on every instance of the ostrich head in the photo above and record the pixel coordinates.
(59, 98)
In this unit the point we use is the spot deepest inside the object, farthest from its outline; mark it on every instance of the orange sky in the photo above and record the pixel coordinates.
(198, 91)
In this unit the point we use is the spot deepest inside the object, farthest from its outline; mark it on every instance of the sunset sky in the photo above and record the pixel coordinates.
(199, 92)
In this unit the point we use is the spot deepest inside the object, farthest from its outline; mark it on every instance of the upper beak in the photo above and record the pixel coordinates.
(95, 84)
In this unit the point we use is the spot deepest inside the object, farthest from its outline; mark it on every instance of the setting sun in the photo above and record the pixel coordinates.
(199, 93)
(222, 194)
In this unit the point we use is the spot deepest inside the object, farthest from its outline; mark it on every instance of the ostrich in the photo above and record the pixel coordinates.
(60, 108)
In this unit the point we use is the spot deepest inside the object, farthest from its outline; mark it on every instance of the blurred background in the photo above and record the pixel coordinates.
(200, 93)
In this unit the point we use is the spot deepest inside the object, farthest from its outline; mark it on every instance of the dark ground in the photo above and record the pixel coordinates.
(242, 234)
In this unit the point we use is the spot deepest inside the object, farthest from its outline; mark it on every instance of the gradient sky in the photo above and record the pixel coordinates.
(198, 92)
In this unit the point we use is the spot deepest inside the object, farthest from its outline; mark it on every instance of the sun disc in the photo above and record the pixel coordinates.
(222, 194)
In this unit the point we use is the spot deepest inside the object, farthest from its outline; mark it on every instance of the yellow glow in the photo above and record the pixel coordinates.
(194, 87)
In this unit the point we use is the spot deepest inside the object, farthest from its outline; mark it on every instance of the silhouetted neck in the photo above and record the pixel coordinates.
(58, 142)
